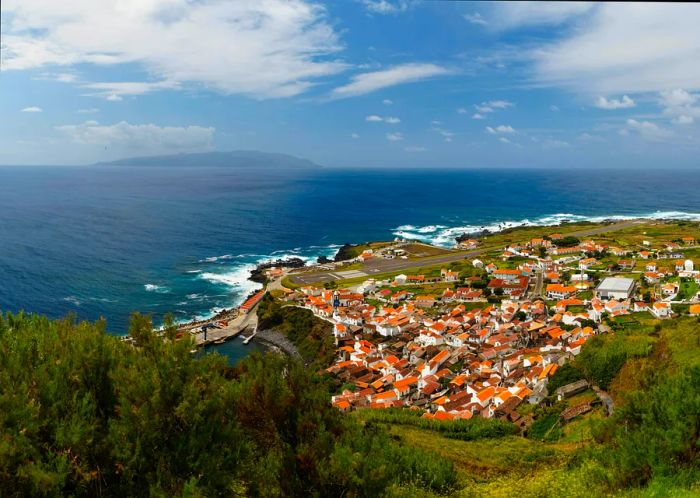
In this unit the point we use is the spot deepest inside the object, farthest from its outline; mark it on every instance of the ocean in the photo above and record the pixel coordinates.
(103, 241)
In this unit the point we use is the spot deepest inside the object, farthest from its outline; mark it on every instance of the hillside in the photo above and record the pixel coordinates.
(84, 413)
(648, 447)
(234, 159)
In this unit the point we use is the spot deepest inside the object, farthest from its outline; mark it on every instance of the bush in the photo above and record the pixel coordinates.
(83, 413)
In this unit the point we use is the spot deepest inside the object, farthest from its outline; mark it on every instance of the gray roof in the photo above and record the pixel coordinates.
(616, 284)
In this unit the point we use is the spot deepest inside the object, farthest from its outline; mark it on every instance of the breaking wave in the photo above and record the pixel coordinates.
(444, 236)
(156, 288)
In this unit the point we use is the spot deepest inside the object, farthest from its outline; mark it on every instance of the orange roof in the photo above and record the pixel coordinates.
(486, 393)
(405, 382)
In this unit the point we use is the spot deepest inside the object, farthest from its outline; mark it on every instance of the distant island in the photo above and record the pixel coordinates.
(234, 159)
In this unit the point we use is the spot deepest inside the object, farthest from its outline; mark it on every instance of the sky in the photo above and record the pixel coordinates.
(353, 83)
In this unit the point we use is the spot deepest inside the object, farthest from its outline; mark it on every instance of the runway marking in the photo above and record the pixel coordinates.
(350, 274)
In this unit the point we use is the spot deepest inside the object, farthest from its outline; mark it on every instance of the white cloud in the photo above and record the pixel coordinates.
(554, 108)
(462, 110)
(91, 110)
(264, 49)
(394, 137)
(387, 102)
(354, 135)
(683, 120)
(447, 135)
(475, 18)
(626, 47)
(32, 109)
(60, 77)
(648, 130)
(478, 116)
(504, 140)
(679, 105)
(625, 103)
(141, 138)
(113, 97)
(508, 15)
(677, 98)
(387, 6)
(500, 129)
(405, 73)
(120, 88)
(493, 105)
(415, 148)
(379, 119)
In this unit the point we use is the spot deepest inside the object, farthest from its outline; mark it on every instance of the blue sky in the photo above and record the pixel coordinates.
(365, 83)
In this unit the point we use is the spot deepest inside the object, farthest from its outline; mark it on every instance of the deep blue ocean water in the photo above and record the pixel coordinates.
(104, 241)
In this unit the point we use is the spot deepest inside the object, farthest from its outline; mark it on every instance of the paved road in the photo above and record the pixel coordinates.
(380, 265)
(234, 327)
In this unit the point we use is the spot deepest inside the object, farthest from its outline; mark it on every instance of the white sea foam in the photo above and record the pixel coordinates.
(73, 300)
(445, 236)
(156, 288)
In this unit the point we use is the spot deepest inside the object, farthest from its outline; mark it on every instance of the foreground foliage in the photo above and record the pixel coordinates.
(84, 414)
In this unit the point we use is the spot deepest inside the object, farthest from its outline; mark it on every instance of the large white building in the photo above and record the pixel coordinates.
(615, 288)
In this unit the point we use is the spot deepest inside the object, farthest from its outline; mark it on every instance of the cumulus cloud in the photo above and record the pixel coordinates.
(32, 109)
(394, 137)
(500, 129)
(475, 18)
(387, 6)
(383, 119)
(648, 130)
(264, 49)
(141, 138)
(476, 115)
(504, 140)
(387, 102)
(625, 103)
(493, 105)
(677, 98)
(625, 47)
(680, 105)
(398, 75)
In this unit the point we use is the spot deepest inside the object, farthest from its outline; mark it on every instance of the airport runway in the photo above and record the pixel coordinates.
(381, 265)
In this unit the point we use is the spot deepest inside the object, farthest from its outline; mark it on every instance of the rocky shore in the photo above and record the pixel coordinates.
(275, 341)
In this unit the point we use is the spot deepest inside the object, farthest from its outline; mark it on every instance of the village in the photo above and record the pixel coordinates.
(480, 337)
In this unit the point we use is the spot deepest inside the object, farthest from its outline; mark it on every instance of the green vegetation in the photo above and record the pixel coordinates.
(648, 447)
(83, 413)
(565, 374)
(312, 336)
(466, 430)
